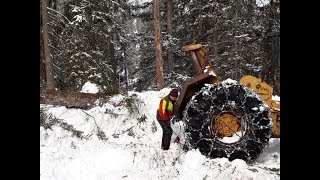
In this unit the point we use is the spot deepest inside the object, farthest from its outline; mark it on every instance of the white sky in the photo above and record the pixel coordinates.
(137, 156)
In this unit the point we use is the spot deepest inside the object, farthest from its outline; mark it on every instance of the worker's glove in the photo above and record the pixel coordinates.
(173, 119)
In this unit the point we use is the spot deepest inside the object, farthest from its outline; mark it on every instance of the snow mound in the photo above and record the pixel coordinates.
(89, 87)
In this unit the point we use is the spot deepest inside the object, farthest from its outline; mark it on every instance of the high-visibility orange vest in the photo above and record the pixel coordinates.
(165, 109)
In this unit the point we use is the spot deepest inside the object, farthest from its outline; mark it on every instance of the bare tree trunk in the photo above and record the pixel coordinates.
(157, 37)
(47, 52)
(125, 64)
(170, 32)
(113, 62)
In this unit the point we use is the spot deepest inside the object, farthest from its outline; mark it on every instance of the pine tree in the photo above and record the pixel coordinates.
(84, 35)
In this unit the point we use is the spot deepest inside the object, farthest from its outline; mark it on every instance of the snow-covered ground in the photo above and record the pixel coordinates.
(131, 146)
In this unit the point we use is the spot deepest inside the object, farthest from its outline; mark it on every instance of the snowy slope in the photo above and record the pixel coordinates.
(131, 149)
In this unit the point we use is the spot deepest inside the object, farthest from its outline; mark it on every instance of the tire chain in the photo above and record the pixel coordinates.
(214, 99)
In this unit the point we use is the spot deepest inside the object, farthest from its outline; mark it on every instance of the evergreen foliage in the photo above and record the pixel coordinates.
(111, 43)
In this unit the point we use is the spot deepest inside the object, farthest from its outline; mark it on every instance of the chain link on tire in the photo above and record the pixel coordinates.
(227, 120)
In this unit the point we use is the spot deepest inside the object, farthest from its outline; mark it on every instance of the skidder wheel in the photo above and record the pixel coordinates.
(228, 120)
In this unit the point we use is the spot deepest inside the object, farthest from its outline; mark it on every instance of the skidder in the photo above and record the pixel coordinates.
(223, 119)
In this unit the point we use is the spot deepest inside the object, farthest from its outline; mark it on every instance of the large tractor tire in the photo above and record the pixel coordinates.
(228, 120)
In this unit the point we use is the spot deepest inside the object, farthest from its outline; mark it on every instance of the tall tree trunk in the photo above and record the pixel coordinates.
(125, 65)
(47, 52)
(157, 37)
(170, 32)
(113, 64)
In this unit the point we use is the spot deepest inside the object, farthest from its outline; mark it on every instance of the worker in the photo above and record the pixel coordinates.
(165, 113)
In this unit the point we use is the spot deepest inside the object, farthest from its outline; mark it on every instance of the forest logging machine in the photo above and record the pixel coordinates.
(226, 118)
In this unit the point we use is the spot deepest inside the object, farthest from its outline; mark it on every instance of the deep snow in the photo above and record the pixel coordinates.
(131, 149)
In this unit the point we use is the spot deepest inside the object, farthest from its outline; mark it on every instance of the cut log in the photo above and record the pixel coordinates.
(71, 99)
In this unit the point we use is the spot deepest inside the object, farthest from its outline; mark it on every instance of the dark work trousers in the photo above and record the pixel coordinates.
(166, 135)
